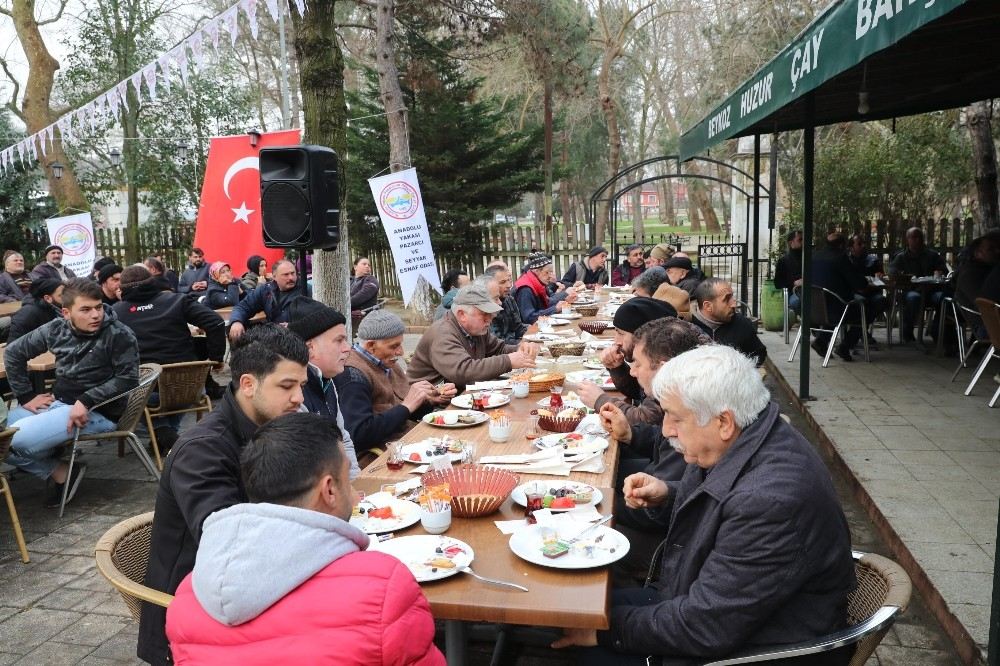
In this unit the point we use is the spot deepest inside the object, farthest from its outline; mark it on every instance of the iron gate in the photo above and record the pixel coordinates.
(727, 261)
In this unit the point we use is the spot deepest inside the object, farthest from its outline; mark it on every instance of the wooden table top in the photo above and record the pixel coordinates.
(555, 597)
(9, 308)
(41, 363)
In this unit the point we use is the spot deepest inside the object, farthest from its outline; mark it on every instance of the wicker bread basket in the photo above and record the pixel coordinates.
(558, 349)
(595, 327)
(556, 424)
(543, 385)
(476, 490)
(587, 310)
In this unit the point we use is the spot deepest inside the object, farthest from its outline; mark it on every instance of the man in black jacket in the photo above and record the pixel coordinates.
(44, 305)
(52, 267)
(757, 552)
(195, 276)
(202, 473)
(717, 316)
(788, 270)
(831, 269)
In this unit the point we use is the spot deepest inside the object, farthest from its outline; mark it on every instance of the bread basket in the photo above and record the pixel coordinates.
(595, 327)
(558, 349)
(553, 379)
(476, 490)
(587, 310)
(556, 424)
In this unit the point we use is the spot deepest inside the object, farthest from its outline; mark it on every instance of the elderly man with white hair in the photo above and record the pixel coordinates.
(757, 552)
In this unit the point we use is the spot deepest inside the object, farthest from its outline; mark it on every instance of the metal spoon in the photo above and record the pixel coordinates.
(469, 571)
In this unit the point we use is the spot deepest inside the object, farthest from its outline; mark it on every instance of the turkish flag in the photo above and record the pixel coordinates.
(229, 225)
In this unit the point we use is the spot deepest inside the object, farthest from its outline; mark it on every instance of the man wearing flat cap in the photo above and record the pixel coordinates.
(377, 398)
(588, 272)
(460, 348)
(659, 255)
(52, 266)
(682, 274)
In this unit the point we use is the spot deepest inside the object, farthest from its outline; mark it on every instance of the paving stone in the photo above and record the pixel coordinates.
(915, 635)
(13, 566)
(975, 618)
(56, 654)
(951, 556)
(971, 489)
(938, 472)
(92, 630)
(9, 658)
(67, 564)
(54, 543)
(7, 611)
(30, 628)
(90, 580)
(120, 647)
(22, 591)
(890, 655)
(968, 586)
(67, 598)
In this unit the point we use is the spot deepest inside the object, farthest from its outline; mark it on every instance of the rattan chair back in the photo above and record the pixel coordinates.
(122, 555)
(6, 437)
(181, 385)
(881, 583)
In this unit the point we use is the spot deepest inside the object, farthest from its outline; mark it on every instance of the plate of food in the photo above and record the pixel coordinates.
(560, 495)
(571, 441)
(570, 399)
(382, 512)
(600, 377)
(593, 363)
(464, 401)
(567, 315)
(542, 337)
(420, 453)
(561, 548)
(428, 557)
(455, 418)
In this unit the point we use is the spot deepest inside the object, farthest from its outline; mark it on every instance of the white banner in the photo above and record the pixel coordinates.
(75, 235)
(397, 197)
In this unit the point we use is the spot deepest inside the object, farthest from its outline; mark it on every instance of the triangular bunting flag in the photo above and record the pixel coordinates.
(300, 6)
(113, 101)
(164, 62)
(122, 89)
(149, 74)
(212, 30)
(180, 56)
(272, 8)
(250, 8)
(20, 151)
(229, 21)
(136, 80)
(197, 45)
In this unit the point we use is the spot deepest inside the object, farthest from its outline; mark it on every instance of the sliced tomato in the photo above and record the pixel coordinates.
(563, 503)
(415, 457)
(384, 512)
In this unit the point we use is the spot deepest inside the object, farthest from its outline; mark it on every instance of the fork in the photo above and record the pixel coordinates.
(472, 573)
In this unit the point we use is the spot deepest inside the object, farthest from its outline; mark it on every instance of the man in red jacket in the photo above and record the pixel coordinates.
(287, 579)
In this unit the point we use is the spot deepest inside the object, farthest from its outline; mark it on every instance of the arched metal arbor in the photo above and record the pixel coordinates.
(617, 194)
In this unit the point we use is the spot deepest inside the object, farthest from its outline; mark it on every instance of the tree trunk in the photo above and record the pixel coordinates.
(321, 73)
(36, 110)
(568, 214)
(547, 159)
(694, 218)
(667, 213)
(130, 128)
(985, 158)
(608, 106)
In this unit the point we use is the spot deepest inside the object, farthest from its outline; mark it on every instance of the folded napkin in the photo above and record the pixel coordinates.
(524, 458)
(555, 468)
(486, 386)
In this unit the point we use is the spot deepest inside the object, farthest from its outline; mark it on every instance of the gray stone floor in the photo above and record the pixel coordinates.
(58, 610)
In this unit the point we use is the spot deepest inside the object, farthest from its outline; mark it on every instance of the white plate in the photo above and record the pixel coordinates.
(527, 544)
(568, 401)
(464, 401)
(542, 337)
(416, 551)
(567, 315)
(421, 448)
(518, 495)
(599, 377)
(479, 416)
(561, 438)
(594, 365)
(404, 514)
(600, 344)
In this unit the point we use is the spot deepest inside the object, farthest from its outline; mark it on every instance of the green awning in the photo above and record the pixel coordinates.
(830, 51)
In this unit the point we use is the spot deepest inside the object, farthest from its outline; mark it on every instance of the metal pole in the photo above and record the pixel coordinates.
(286, 113)
(808, 164)
(746, 253)
(772, 183)
(756, 217)
(993, 649)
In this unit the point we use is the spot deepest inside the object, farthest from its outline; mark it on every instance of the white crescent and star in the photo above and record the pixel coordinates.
(241, 214)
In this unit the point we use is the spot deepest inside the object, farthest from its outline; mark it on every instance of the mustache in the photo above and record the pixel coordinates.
(676, 443)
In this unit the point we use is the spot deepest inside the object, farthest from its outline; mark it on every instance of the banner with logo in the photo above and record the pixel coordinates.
(75, 235)
(397, 197)
(229, 226)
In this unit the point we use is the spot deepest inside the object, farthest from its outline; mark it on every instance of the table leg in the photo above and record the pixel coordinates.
(455, 642)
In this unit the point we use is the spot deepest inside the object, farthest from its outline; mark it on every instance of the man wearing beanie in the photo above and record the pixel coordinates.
(377, 398)
(98, 265)
(52, 266)
(44, 305)
(160, 322)
(588, 272)
(325, 333)
(110, 279)
(460, 348)
(637, 406)
(531, 291)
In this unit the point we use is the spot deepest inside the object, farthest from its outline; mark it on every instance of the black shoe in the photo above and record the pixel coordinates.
(53, 494)
(166, 437)
(843, 352)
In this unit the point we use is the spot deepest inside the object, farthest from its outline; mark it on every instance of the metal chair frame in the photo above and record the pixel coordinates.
(787, 324)
(960, 315)
(6, 437)
(990, 312)
(137, 398)
(181, 390)
(822, 319)
(122, 554)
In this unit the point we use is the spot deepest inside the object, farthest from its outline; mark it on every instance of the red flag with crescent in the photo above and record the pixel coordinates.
(229, 225)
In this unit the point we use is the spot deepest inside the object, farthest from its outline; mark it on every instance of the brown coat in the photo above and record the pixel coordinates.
(387, 391)
(446, 353)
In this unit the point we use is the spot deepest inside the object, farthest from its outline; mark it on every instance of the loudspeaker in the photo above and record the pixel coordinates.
(300, 197)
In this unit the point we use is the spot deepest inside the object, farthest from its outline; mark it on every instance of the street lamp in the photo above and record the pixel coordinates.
(57, 169)
(254, 137)
(182, 150)
(116, 157)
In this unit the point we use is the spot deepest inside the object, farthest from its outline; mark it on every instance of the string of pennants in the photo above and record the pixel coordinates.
(188, 53)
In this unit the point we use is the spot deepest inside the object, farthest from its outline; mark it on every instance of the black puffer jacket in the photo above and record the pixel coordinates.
(33, 314)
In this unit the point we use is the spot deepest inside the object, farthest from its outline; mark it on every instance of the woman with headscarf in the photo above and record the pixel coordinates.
(531, 289)
(15, 282)
(223, 291)
(256, 274)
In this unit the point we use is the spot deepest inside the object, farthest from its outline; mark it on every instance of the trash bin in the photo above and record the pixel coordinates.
(772, 307)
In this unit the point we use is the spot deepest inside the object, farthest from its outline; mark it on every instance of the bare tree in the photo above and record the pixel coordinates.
(984, 156)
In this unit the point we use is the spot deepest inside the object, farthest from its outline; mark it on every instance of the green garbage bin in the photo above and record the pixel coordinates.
(772, 307)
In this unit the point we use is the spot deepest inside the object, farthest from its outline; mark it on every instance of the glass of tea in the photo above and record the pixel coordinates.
(555, 397)
(394, 459)
(533, 502)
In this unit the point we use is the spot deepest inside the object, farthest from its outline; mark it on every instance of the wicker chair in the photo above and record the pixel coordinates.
(882, 593)
(181, 390)
(6, 437)
(136, 402)
(122, 554)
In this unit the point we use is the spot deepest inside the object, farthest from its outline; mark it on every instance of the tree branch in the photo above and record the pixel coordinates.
(12, 104)
(354, 25)
(62, 7)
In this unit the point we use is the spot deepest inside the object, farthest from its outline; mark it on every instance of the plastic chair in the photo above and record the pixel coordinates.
(990, 312)
(122, 554)
(821, 321)
(883, 592)
(6, 437)
(181, 389)
(136, 402)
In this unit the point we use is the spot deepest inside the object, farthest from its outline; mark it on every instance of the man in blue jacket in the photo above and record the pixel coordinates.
(273, 299)
(757, 551)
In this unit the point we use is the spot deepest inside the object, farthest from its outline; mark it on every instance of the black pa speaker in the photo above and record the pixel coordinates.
(300, 197)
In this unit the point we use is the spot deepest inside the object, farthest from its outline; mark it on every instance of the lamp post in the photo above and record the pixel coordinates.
(116, 157)
(254, 135)
(57, 169)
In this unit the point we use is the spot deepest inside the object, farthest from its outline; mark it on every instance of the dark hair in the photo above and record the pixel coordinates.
(663, 339)
(288, 455)
(792, 234)
(650, 279)
(632, 248)
(836, 242)
(450, 279)
(492, 271)
(705, 291)
(197, 250)
(153, 262)
(253, 263)
(360, 258)
(101, 263)
(78, 287)
(259, 351)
